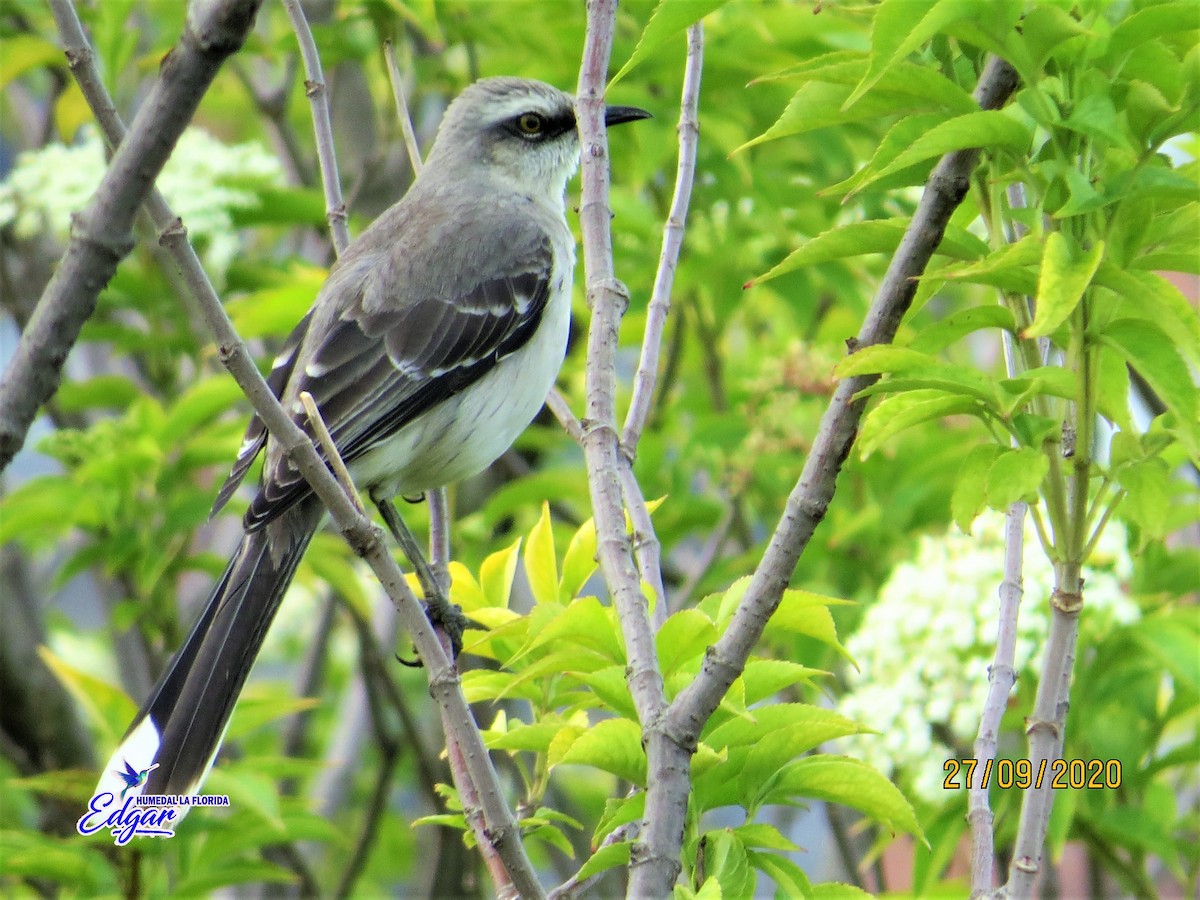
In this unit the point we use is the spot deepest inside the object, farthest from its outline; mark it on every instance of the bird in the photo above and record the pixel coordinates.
(132, 777)
(430, 347)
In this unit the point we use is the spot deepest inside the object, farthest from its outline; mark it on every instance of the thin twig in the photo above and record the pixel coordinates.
(325, 439)
(607, 299)
(647, 549)
(672, 242)
(560, 407)
(317, 92)
(406, 126)
(1001, 677)
(101, 235)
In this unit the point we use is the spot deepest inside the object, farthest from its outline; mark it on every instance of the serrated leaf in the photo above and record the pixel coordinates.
(1153, 355)
(670, 18)
(1065, 274)
(612, 745)
(764, 678)
(837, 779)
(1016, 474)
(970, 487)
(541, 566)
(819, 105)
(585, 622)
(988, 130)
(941, 334)
(789, 878)
(1147, 486)
(901, 27)
(808, 614)
(875, 236)
(903, 411)
(607, 857)
(683, 638)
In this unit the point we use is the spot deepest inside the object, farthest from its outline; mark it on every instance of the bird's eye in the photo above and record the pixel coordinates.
(530, 124)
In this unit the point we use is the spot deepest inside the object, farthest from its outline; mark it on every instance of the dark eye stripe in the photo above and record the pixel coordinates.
(552, 126)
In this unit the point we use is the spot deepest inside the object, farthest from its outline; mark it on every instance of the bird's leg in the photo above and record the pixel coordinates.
(442, 613)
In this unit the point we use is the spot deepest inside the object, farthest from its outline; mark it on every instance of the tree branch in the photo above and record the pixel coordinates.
(675, 740)
(101, 235)
(316, 91)
(607, 299)
(660, 300)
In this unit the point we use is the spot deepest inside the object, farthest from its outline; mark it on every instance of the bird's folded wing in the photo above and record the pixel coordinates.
(373, 372)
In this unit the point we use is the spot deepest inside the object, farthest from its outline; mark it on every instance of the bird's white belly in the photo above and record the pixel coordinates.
(468, 432)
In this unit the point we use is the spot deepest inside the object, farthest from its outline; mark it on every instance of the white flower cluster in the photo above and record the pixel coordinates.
(925, 646)
(203, 181)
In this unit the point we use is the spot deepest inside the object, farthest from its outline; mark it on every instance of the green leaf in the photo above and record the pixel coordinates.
(613, 745)
(725, 860)
(1153, 354)
(496, 574)
(670, 18)
(106, 706)
(1148, 495)
(23, 52)
(579, 562)
(541, 566)
(941, 334)
(607, 857)
(819, 105)
(806, 613)
(1148, 295)
(875, 236)
(837, 779)
(683, 639)
(110, 391)
(835, 890)
(585, 622)
(1064, 276)
(1015, 475)
(763, 678)
(235, 871)
(789, 878)
(989, 130)
(199, 405)
(904, 410)
(895, 34)
(765, 836)
(811, 726)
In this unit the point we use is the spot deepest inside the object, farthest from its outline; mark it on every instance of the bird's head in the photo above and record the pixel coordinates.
(518, 130)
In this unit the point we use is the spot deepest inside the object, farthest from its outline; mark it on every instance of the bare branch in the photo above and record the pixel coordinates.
(316, 91)
(325, 439)
(1001, 677)
(607, 299)
(675, 740)
(101, 235)
(660, 300)
(561, 408)
(406, 126)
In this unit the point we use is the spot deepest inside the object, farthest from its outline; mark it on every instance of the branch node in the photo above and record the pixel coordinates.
(313, 88)
(1067, 602)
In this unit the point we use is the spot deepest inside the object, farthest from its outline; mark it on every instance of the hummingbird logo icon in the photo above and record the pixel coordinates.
(132, 777)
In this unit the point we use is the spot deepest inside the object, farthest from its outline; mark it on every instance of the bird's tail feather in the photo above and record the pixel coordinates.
(181, 726)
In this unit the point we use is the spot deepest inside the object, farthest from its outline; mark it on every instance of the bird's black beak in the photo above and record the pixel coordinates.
(616, 115)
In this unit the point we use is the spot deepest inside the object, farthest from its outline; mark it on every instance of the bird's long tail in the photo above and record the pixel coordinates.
(182, 724)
